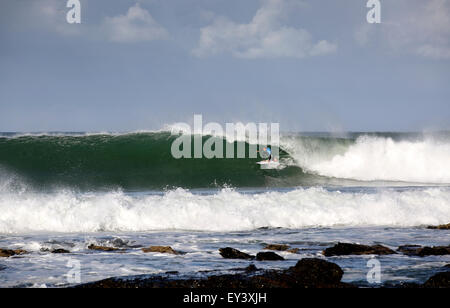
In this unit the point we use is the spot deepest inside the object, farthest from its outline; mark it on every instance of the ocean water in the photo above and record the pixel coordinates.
(60, 190)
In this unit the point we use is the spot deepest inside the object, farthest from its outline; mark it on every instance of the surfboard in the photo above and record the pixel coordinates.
(268, 164)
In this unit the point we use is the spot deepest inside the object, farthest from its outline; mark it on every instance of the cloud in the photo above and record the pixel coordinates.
(423, 28)
(50, 15)
(413, 26)
(263, 37)
(137, 25)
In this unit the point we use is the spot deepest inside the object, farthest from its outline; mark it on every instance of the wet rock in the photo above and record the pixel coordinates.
(277, 247)
(231, 253)
(416, 250)
(251, 268)
(433, 251)
(118, 242)
(344, 249)
(160, 249)
(440, 227)
(281, 247)
(11, 252)
(440, 280)
(268, 256)
(102, 248)
(307, 273)
(60, 250)
(311, 271)
(410, 250)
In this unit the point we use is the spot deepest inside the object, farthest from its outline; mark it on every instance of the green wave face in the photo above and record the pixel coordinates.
(131, 161)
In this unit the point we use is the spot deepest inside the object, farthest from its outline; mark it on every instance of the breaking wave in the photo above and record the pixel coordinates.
(224, 210)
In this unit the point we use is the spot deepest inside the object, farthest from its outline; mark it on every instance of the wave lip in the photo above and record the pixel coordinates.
(226, 210)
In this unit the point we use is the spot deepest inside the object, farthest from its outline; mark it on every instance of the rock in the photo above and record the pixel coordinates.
(281, 247)
(277, 247)
(433, 251)
(161, 249)
(416, 250)
(307, 273)
(315, 272)
(120, 243)
(231, 253)
(344, 249)
(172, 272)
(268, 256)
(60, 250)
(440, 280)
(102, 248)
(409, 250)
(251, 268)
(11, 252)
(440, 227)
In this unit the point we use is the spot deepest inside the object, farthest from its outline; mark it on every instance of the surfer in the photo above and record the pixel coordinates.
(269, 153)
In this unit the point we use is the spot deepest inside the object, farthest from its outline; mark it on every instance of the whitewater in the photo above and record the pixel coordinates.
(124, 190)
(374, 158)
(224, 210)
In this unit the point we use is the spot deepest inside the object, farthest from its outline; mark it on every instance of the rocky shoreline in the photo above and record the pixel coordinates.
(307, 272)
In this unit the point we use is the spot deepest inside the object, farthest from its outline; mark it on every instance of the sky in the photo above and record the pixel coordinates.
(143, 64)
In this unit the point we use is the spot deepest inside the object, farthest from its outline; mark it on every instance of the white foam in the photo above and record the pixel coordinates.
(377, 159)
(226, 210)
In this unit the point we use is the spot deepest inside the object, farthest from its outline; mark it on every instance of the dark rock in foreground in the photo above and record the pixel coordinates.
(60, 250)
(231, 253)
(440, 280)
(268, 256)
(440, 227)
(251, 268)
(434, 251)
(11, 252)
(317, 271)
(409, 250)
(415, 250)
(102, 248)
(344, 249)
(160, 249)
(307, 273)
